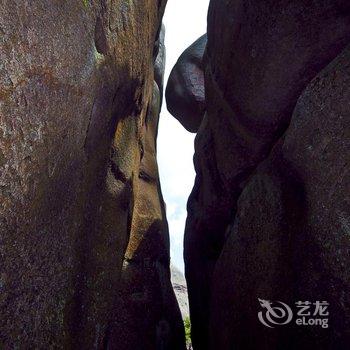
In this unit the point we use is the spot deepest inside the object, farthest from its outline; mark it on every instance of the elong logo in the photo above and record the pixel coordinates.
(278, 313)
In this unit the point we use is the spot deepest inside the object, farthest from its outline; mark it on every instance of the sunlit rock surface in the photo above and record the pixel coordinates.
(147, 315)
(76, 81)
(180, 288)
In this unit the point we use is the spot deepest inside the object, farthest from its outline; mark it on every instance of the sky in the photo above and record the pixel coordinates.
(185, 21)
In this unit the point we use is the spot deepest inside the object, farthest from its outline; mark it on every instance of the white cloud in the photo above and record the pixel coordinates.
(185, 21)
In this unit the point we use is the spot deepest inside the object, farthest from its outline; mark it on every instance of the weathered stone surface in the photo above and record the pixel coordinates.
(76, 78)
(260, 56)
(180, 288)
(185, 93)
(147, 314)
(291, 237)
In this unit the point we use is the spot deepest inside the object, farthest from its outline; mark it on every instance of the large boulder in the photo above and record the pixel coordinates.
(76, 80)
(259, 58)
(185, 93)
(290, 240)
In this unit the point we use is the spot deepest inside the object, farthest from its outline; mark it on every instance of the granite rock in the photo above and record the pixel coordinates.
(259, 58)
(76, 80)
(185, 92)
(290, 240)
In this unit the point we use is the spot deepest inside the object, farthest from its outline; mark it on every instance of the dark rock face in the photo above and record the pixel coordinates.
(260, 56)
(290, 240)
(76, 81)
(185, 93)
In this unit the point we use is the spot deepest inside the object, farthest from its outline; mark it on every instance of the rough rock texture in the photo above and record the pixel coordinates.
(76, 79)
(291, 237)
(185, 93)
(147, 315)
(180, 288)
(260, 56)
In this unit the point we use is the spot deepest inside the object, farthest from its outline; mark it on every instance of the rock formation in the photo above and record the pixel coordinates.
(78, 118)
(290, 240)
(267, 217)
(185, 87)
(147, 315)
(84, 246)
(180, 288)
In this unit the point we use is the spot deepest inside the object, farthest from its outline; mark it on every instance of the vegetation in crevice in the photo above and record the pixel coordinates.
(187, 325)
